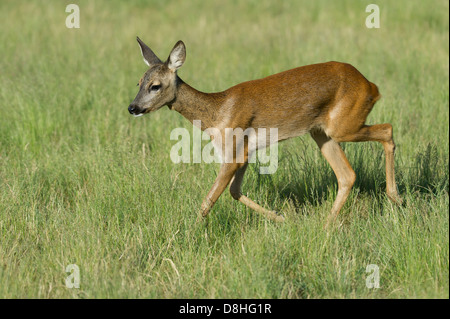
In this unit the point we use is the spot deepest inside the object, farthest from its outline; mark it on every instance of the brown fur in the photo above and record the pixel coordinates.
(331, 101)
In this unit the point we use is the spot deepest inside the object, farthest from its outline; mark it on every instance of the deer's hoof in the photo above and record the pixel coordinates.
(278, 217)
(395, 198)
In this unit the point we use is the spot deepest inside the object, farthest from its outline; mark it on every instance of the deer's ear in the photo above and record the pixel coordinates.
(177, 56)
(150, 58)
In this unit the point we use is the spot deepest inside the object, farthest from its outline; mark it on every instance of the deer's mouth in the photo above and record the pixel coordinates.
(136, 111)
(150, 109)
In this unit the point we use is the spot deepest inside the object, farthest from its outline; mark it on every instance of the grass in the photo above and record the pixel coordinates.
(84, 183)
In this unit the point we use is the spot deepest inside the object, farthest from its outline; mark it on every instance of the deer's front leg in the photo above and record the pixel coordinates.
(226, 173)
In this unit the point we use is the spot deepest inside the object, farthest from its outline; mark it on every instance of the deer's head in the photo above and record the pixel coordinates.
(158, 86)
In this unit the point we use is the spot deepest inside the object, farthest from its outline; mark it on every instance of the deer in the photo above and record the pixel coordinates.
(330, 101)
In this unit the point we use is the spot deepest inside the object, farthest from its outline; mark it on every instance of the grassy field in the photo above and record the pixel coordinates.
(82, 182)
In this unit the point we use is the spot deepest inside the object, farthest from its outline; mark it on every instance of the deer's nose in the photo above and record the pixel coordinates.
(132, 108)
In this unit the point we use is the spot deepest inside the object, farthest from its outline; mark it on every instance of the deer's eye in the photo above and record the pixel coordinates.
(155, 88)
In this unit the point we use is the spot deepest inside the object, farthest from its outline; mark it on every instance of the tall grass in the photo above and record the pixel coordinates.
(84, 183)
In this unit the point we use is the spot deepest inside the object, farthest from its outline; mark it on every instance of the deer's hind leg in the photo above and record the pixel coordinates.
(380, 133)
(345, 175)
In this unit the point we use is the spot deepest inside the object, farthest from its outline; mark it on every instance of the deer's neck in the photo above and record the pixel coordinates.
(196, 105)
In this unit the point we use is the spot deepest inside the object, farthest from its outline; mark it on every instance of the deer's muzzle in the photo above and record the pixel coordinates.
(135, 110)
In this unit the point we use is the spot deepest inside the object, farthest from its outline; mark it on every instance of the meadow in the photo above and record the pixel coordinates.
(82, 182)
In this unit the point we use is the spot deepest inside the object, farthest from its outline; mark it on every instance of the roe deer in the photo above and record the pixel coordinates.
(330, 101)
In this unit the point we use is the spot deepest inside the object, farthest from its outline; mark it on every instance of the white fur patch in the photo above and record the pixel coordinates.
(142, 53)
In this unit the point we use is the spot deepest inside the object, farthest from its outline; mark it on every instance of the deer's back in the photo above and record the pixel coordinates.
(300, 99)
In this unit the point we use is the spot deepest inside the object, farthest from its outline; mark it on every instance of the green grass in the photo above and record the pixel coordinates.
(84, 183)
